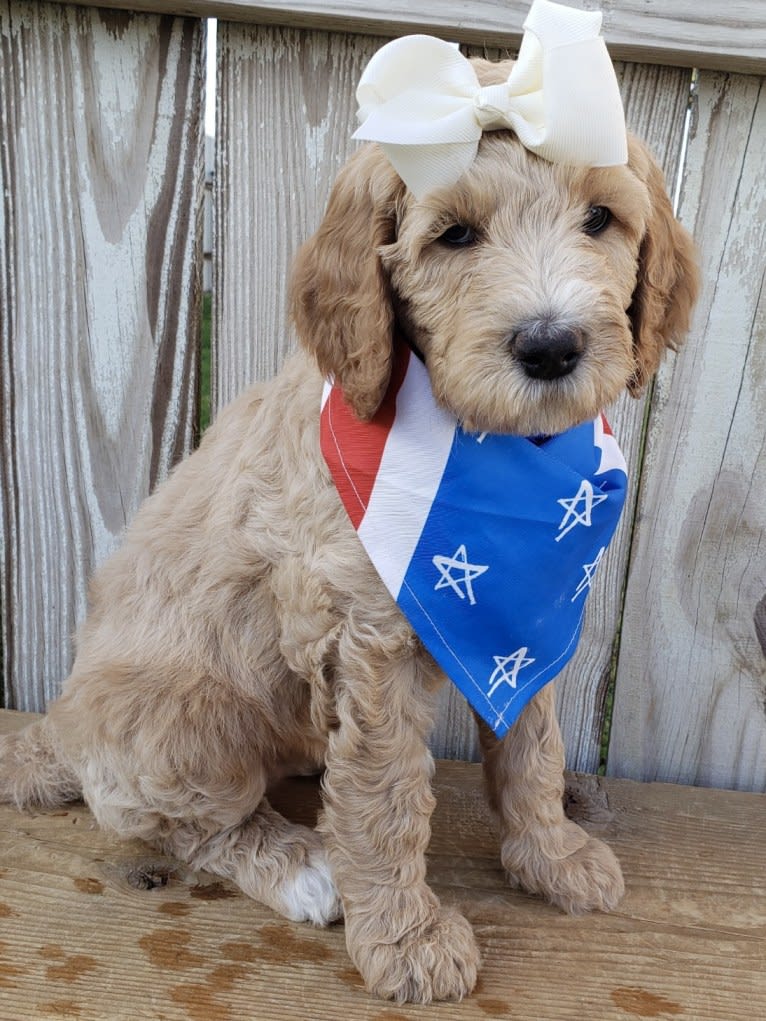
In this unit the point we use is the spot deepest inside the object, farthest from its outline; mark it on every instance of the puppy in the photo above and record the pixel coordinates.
(241, 634)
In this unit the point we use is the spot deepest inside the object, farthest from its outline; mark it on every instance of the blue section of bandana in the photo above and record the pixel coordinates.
(497, 585)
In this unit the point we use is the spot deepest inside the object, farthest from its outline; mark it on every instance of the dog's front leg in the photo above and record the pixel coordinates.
(543, 851)
(376, 824)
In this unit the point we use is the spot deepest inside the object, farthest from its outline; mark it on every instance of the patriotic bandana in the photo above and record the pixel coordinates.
(488, 543)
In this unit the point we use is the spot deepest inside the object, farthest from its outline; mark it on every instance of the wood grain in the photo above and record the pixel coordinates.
(286, 104)
(100, 173)
(96, 929)
(686, 33)
(691, 687)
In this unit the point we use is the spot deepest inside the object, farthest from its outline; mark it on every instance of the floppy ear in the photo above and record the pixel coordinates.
(668, 278)
(339, 293)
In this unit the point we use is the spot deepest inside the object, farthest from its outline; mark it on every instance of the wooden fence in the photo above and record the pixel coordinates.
(101, 177)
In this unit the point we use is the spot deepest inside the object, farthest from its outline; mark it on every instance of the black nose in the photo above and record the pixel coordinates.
(547, 351)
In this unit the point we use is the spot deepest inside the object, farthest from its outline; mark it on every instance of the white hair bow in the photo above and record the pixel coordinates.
(421, 100)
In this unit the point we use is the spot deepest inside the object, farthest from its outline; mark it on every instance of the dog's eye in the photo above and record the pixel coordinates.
(459, 234)
(597, 219)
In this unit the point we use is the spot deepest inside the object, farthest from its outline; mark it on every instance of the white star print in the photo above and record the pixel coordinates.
(459, 562)
(590, 569)
(573, 517)
(501, 675)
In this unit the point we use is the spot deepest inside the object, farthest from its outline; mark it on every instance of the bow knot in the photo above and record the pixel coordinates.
(492, 105)
(421, 100)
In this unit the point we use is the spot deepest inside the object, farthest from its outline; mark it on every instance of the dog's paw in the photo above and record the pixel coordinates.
(309, 894)
(586, 877)
(440, 963)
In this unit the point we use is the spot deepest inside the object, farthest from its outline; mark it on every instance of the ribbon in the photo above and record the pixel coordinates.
(419, 97)
(488, 544)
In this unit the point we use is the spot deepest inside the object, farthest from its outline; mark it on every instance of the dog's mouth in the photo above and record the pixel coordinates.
(513, 401)
(539, 378)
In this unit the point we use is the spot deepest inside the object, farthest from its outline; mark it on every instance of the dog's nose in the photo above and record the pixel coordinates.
(547, 351)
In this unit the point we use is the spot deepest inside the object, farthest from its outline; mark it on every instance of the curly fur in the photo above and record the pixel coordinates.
(240, 632)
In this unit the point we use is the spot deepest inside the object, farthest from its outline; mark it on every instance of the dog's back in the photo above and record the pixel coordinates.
(180, 621)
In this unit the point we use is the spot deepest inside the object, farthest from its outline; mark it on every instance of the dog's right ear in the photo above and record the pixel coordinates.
(339, 293)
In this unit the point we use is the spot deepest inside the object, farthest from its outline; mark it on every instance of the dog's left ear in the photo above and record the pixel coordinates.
(340, 298)
(668, 278)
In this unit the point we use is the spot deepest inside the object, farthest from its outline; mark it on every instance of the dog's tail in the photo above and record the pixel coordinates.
(33, 770)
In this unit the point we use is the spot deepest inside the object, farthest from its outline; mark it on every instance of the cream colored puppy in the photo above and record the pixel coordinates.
(241, 633)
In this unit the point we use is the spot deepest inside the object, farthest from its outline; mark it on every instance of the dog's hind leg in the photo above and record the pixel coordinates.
(543, 851)
(210, 825)
(279, 863)
(34, 772)
(182, 770)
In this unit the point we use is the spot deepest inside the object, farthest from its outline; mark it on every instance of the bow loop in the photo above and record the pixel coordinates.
(421, 100)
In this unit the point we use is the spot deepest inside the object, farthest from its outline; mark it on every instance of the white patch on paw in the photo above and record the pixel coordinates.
(310, 894)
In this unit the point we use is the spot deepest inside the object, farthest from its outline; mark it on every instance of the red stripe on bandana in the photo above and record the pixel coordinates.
(355, 469)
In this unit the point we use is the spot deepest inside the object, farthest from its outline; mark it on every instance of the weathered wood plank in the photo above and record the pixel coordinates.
(687, 33)
(81, 938)
(285, 106)
(691, 686)
(101, 178)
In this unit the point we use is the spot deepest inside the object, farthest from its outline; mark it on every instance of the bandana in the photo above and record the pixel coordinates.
(488, 543)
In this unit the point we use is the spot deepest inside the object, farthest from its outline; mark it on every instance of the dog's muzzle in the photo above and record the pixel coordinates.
(546, 350)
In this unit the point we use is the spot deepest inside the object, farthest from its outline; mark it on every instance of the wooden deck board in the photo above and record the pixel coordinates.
(82, 936)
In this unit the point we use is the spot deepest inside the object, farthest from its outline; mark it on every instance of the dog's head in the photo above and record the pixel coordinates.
(535, 292)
